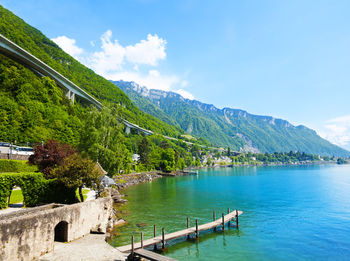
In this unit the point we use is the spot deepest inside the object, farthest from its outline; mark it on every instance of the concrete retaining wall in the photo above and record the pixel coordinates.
(28, 234)
(14, 156)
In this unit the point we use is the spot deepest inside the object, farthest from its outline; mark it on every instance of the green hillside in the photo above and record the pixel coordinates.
(34, 109)
(33, 41)
(231, 127)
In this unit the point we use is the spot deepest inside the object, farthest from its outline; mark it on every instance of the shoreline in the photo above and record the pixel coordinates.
(127, 180)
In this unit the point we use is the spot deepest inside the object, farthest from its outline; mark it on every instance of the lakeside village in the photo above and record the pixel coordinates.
(48, 181)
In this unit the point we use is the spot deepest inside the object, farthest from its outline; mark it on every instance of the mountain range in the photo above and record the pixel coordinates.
(228, 127)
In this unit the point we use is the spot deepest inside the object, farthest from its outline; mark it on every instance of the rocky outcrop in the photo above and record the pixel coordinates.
(127, 180)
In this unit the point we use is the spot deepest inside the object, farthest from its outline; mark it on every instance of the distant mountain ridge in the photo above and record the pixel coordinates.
(235, 128)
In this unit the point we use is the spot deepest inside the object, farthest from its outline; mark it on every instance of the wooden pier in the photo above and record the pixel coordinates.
(149, 255)
(133, 247)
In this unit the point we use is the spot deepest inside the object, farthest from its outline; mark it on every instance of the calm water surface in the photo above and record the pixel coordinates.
(290, 213)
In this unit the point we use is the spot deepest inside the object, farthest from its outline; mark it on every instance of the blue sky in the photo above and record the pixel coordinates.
(287, 59)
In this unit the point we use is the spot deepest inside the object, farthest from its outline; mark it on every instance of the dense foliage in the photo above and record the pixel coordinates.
(103, 139)
(35, 188)
(277, 157)
(76, 172)
(16, 166)
(34, 109)
(50, 155)
(230, 127)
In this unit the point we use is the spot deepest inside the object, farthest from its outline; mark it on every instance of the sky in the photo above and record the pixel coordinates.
(286, 59)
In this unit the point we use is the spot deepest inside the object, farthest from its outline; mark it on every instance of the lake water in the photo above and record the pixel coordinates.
(290, 213)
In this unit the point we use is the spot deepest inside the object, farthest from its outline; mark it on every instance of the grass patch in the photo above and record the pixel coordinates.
(16, 196)
(85, 191)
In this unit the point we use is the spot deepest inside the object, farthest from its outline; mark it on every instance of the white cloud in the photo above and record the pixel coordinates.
(113, 55)
(68, 45)
(129, 63)
(110, 58)
(337, 131)
(185, 94)
(147, 51)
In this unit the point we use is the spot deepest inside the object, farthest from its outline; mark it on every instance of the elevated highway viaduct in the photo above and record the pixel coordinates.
(15, 52)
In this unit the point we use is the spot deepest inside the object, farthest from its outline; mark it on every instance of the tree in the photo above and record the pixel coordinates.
(209, 162)
(228, 152)
(50, 155)
(103, 140)
(341, 161)
(167, 163)
(77, 172)
(143, 150)
(164, 144)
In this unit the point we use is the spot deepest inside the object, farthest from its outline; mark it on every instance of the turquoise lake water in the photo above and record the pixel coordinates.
(290, 213)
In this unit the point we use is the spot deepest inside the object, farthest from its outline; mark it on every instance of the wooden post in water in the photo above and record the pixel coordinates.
(237, 218)
(154, 235)
(132, 247)
(214, 219)
(197, 233)
(141, 239)
(223, 222)
(163, 238)
(228, 212)
(188, 225)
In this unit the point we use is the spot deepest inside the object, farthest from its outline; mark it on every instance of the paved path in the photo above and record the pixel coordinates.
(91, 195)
(12, 208)
(89, 248)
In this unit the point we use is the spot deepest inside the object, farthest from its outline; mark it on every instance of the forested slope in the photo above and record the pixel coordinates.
(33, 41)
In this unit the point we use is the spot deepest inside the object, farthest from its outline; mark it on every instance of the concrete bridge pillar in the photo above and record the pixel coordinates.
(70, 95)
(127, 129)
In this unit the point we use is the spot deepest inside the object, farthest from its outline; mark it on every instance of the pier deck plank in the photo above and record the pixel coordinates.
(149, 255)
(181, 233)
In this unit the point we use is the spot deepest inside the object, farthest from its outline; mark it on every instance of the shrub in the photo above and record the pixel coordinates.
(35, 188)
(49, 156)
(16, 166)
(76, 172)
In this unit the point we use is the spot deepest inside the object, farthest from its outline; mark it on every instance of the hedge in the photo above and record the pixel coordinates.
(16, 166)
(35, 188)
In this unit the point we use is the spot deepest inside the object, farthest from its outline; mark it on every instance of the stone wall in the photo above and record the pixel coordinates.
(28, 234)
(14, 156)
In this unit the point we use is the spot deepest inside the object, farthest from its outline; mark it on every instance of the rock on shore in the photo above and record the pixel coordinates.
(127, 180)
